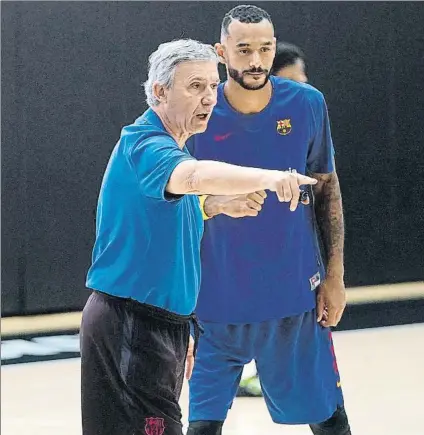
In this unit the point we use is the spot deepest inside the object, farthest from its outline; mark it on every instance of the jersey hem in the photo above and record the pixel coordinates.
(229, 321)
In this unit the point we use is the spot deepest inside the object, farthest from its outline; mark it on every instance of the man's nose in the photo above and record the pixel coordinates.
(255, 60)
(210, 97)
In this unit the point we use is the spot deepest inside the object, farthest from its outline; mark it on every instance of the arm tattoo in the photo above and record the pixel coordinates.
(329, 214)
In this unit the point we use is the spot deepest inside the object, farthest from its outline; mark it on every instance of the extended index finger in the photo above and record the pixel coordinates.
(303, 179)
(295, 191)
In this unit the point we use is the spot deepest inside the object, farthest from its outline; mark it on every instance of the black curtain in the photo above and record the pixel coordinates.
(71, 78)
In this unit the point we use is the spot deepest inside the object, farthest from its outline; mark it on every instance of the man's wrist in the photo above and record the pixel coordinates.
(335, 268)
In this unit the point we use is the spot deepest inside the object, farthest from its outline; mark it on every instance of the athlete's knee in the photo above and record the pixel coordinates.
(337, 424)
(206, 427)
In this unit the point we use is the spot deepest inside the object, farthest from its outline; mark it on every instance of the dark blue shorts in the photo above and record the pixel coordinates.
(296, 364)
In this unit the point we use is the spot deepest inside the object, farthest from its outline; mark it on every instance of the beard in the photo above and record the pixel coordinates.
(239, 77)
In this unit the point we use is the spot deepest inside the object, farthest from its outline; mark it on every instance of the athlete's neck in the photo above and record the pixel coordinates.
(246, 101)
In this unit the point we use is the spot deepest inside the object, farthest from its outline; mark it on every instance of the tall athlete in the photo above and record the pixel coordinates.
(265, 288)
(289, 63)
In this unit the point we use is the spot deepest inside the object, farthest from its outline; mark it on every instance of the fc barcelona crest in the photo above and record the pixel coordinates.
(284, 126)
(154, 426)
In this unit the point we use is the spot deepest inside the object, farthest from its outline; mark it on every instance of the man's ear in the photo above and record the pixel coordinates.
(159, 91)
(220, 51)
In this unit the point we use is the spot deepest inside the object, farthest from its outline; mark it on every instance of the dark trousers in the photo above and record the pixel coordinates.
(132, 367)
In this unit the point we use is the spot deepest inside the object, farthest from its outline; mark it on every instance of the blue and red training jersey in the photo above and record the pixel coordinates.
(264, 267)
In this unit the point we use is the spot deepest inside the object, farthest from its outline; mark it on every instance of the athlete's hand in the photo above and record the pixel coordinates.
(235, 206)
(286, 186)
(190, 359)
(331, 301)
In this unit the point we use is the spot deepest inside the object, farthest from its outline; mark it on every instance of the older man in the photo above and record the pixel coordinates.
(145, 271)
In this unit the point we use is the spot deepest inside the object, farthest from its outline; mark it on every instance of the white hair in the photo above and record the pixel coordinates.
(163, 62)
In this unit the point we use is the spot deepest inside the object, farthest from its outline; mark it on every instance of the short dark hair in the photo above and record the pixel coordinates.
(244, 14)
(286, 54)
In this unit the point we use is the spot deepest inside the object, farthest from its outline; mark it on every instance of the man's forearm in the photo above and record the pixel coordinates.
(329, 214)
(217, 178)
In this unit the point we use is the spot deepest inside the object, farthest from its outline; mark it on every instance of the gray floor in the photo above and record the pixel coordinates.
(382, 375)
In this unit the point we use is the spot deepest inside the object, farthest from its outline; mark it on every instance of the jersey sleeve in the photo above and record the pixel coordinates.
(321, 150)
(154, 159)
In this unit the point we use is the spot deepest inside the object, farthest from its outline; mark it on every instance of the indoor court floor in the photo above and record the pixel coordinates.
(382, 373)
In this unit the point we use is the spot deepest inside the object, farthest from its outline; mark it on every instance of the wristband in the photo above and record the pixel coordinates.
(202, 200)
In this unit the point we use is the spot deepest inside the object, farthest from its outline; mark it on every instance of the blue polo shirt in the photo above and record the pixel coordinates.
(265, 267)
(147, 243)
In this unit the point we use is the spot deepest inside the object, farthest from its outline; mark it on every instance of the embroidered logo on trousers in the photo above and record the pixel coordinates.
(154, 426)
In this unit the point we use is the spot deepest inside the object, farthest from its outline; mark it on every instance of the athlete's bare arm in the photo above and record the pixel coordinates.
(329, 214)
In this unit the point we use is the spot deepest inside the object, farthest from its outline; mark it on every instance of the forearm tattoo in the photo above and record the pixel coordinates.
(329, 215)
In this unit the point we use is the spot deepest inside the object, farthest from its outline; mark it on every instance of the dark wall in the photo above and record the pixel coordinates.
(71, 75)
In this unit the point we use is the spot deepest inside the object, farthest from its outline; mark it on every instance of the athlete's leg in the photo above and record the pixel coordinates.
(337, 424)
(222, 353)
(298, 370)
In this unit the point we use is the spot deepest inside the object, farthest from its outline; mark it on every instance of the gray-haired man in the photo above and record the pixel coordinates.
(145, 271)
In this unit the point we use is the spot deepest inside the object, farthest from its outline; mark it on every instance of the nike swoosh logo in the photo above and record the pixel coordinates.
(219, 138)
